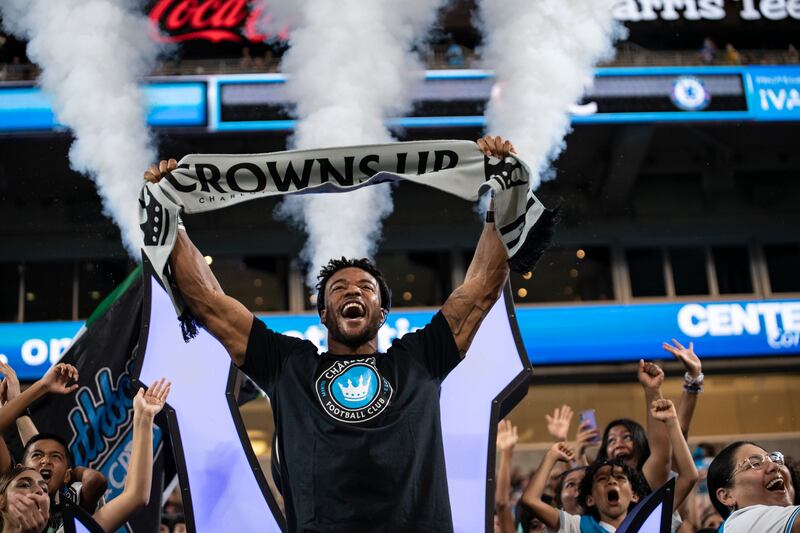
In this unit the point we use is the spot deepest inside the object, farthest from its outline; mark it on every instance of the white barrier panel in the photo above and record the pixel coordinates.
(494, 366)
(223, 488)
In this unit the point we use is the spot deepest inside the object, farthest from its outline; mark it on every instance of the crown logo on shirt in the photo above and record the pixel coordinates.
(355, 393)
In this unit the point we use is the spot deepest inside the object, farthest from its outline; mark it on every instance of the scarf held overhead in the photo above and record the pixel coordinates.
(205, 182)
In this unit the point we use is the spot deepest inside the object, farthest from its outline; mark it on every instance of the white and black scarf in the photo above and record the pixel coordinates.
(205, 182)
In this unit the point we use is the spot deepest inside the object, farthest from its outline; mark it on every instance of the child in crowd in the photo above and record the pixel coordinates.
(649, 451)
(626, 441)
(49, 459)
(47, 453)
(567, 490)
(610, 487)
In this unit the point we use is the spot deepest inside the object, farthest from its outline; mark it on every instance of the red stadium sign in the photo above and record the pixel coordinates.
(212, 20)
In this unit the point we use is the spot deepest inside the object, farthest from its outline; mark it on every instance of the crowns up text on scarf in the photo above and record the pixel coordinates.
(205, 182)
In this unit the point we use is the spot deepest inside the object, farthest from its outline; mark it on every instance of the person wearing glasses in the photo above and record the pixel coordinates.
(752, 489)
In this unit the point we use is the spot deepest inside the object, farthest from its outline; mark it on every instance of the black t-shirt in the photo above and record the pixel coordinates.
(359, 438)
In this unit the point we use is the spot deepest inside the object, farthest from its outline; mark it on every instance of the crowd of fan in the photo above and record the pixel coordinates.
(38, 487)
(743, 485)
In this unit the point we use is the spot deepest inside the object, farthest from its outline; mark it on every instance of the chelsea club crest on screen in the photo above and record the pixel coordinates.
(353, 391)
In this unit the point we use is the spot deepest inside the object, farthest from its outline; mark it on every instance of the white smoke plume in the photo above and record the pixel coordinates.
(92, 54)
(350, 67)
(542, 53)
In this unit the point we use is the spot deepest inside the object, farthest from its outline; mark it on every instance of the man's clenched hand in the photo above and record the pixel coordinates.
(496, 146)
(156, 172)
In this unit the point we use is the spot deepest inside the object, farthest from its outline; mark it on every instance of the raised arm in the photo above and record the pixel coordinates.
(467, 306)
(224, 317)
(10, 389)
(693, 382)
(664, 412)
(506, 440)
(136, 493)
(657, 467)
(93, 486)
(532, 497)
(56, 380)
(585, 437)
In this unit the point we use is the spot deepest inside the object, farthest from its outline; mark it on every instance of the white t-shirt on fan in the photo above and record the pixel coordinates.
(761, 518)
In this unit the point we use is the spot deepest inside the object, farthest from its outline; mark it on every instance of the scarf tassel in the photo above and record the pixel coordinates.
(189, 325)
(538, 241)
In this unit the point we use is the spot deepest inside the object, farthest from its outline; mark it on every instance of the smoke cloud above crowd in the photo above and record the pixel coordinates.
(349, 68)
(542, 54)
(92, 56)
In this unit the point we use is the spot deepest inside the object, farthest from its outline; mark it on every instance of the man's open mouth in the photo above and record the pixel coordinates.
(352, 310)
(776, 485)
(613, 496)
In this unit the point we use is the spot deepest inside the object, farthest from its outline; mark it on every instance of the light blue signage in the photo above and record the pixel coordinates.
(774, 92)
(770, 93)
(552, 335)
(600, 334)
(30, 348)
(168, 104)
(175, 104)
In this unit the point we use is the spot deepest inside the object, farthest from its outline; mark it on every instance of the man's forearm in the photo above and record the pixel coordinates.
(490, 262)
(193, 276)
(224, 317)
(467, 306)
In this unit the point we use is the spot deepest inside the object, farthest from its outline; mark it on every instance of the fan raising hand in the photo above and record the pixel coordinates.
(686, 356)
(561, 451)
(663, 410)
(506, 436)
(149, 403)
(58, 377)
(558, 424)
(650, 375)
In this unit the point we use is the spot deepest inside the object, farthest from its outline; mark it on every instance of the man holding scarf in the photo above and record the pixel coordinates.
(358, 432)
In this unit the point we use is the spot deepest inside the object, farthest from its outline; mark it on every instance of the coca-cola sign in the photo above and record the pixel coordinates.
(213, 20)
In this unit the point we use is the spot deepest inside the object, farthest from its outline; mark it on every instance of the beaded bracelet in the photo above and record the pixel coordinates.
(693, 385)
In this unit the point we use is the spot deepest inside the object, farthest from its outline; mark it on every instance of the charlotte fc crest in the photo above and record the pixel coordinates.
(353, 391)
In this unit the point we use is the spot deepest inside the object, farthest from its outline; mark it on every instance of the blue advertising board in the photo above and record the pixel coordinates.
(553, 335)
(172, 104)
(774, 92)
(618, 95)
